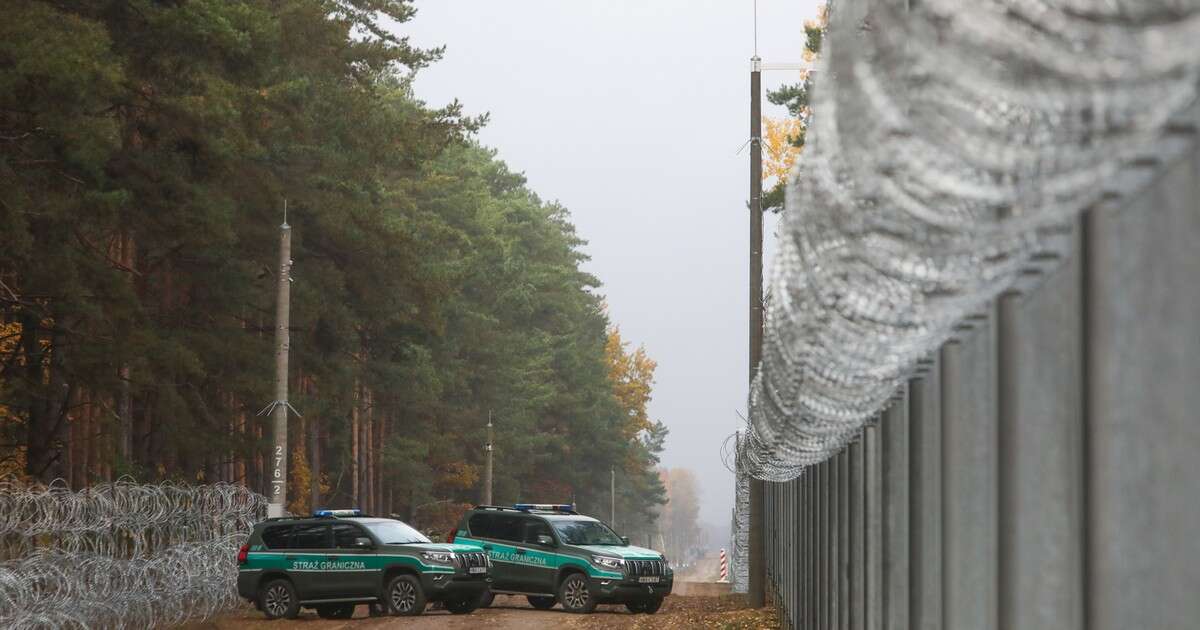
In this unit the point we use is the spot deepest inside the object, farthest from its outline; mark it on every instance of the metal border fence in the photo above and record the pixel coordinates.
(1043, 468)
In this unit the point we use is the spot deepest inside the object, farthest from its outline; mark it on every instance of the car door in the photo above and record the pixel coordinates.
(353, 568)
(308, 550)
(499, 533)
(540, 569)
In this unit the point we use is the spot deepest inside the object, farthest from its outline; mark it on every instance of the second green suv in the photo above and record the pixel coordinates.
(338, 559)
(552, 555)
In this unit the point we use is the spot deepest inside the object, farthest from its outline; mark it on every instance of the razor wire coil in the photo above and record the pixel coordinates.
(120, 555)
(951, 148)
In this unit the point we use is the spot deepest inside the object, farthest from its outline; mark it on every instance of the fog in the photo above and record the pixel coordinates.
(632, 114)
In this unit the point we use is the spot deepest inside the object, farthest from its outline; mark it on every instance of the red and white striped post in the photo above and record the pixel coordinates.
(724, 568)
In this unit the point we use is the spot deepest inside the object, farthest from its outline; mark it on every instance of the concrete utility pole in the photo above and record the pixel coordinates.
(612, 495)
(487, 463)
(757, 588)
(276, 507)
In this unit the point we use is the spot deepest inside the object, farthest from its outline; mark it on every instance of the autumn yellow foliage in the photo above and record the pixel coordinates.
(299, 479)
(779, 154)
(632, 376)
(12, 464)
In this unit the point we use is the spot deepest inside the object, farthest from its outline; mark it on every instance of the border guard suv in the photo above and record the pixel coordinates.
(338, 559)
(553, 555)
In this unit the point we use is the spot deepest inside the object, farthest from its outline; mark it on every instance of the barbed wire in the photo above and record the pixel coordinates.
(951, 149)
(120, 555)
(739, 531)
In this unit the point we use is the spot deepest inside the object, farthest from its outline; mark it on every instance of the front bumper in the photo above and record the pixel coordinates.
(443, 586)
(610, 591)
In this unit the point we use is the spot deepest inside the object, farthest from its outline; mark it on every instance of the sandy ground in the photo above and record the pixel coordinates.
(512, 613)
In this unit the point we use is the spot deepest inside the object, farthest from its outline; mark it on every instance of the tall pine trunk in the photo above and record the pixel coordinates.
(125, 254)
(314, 441)
(369, 468)
(354, 497)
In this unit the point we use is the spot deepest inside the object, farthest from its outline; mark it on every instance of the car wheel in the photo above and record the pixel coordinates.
(541, 602)
(405, 596)
(636, 607)
(335, 611)
(486, 599)
(278, 599)
(575, 594)
(652, 606)
(461, 606)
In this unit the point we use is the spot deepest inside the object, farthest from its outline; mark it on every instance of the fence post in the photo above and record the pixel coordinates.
(1142, 361)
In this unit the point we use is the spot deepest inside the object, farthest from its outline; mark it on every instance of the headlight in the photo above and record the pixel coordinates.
(666, 563)
(605, 562)
(439, 557)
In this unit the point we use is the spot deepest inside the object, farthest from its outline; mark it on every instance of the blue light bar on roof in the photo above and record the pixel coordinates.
(545, 507)
(350, 512)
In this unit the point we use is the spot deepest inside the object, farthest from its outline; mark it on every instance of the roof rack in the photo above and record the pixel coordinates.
(532, 508)
(546, 508)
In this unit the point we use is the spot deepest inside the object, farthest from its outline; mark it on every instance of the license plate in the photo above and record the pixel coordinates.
(477, 570)
(653, 579)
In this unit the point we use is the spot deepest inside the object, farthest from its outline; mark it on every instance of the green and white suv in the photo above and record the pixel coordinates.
(338, 559)
(553, 555)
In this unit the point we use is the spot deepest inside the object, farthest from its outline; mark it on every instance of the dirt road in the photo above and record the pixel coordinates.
(509, 613)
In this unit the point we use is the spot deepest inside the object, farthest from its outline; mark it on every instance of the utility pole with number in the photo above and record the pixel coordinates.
(279, 409)
(757, 588)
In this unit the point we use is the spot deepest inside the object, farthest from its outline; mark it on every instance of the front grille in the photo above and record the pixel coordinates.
(473, 559)
(639, 568)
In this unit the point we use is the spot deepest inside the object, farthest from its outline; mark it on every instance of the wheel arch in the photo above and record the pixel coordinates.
(398, 569)
(565, 571)
(270, 576)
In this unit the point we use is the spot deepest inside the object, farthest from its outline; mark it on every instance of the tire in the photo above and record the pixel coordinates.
(404, 596)
(575, 594)
(636, 607)
(461, 606)
(486, 599)
(278, 599)
(652, 606)
(541, 602)
(335, 611)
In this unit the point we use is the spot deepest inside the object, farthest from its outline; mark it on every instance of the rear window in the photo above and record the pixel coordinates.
(498, 526)
(276, 537)
(481, 525)
(311, 537)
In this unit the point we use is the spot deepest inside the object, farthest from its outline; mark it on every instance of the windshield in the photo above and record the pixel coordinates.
(396, 533)
(586, 533)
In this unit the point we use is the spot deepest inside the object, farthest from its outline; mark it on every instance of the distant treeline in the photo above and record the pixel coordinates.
(146, 148)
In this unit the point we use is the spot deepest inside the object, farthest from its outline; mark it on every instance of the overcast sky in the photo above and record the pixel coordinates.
(631, 114)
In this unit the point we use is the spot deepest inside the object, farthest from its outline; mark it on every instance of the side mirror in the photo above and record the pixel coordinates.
(625, 540)
(362, 542)
(545, 540)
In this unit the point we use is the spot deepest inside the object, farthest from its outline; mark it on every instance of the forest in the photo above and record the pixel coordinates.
(146, 150)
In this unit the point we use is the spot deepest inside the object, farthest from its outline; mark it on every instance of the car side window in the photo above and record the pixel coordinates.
(345, 534)
(311, 537)
(535, 527)
(507, 527)
(277, 537)
(481, 525)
